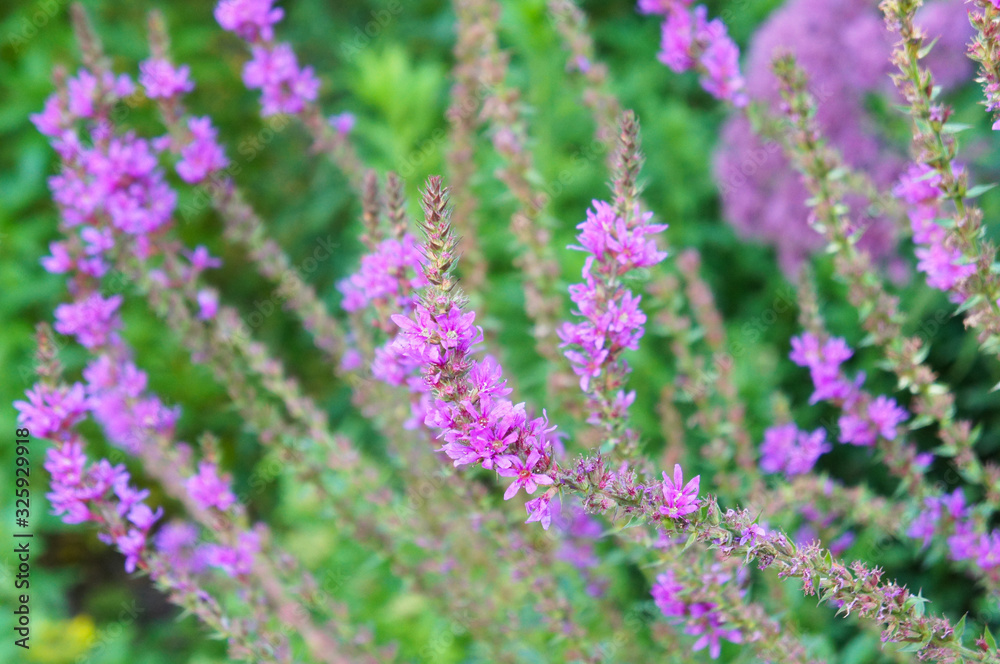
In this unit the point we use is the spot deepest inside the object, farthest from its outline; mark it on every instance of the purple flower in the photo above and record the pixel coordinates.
(50, 411)
(660, 6)
(845, 49)
(92, 321)
(788, 450)
(249, 19)
(208, 490)
(886, 415)
(539, 509)
(677, 39)
(435, 340)
(389, 276)
(343, 123)
(523, 471)
(612, 321)
(203, 155)
(208, 303)
(706, 621)
(234, 561)
(721, 62)
(143, 517)
(667, 595)
(284, 87)
(132, 545)
(925, 525)
(824, 367)
(679, 499)
(162, 80)
(692, 41)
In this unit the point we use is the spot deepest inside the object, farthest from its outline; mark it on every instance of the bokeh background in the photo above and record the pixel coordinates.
(85, 608)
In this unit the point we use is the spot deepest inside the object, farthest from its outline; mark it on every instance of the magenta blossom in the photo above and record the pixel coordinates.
(525, 474)
(249, 19)
(162, 80)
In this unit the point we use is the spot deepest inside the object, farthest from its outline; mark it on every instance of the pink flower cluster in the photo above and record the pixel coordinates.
(943, 264)
(864, 419)
(202, 155)
(691, 41)
(788, 450)
(84, 94)
(679, 499)
(251, 20)
(273, 69)
(161, 80)
(701, 618)
(113, 196)
(116, 397)
(285, 88)
(612, 321)
(50, 411)
(481, 426)
(949, 516)
(112, 178)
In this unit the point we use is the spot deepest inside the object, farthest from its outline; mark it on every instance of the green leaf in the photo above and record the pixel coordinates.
(922, 53)
(954, 127)
(960, 628)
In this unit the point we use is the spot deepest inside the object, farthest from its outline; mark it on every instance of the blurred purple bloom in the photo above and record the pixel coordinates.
(679, 499)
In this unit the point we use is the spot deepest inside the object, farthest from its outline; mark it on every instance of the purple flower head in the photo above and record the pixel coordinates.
(343, 123)
(50, 410)
(660, 6)
(284, 87)
(54, 118)
(235, 561)
(92, 321)
(707, 622)
(721, 62)
(433, 340)
(203, 155)
(60, 261)
(525, 475)
(679, 499)
(132, 545)
(919, 185)
(762, 194)
(389, 276)
(539, 509)
(249, 19)
(667, 593)
(824, 367)
(886, 415)
(788, 450)
(143, 517)
(208, 303)
(208, 490)
(162, 80)
(677, 39)
(486, 377)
